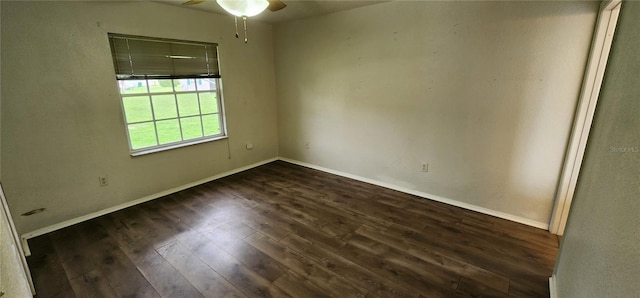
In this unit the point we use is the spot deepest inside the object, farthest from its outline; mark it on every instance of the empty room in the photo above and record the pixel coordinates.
(231, 148)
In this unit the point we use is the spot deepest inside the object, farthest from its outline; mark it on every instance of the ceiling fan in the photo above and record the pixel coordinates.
(244, 6)
(244, 9)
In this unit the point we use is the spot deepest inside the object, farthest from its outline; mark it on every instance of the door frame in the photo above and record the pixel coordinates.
(15, 240)
(592, 82)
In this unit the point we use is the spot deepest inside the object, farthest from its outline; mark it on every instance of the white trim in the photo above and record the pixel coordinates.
(553, 289)
(522, 220)
(25, 246)
(596, 65)
(180, 144)
(24, 237)
(92, 215)
(15, 240)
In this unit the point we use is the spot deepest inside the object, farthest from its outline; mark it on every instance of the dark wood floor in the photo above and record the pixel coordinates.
(284, 230)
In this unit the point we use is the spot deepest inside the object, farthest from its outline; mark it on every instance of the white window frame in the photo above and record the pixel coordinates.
(182, 143)
(151, 60)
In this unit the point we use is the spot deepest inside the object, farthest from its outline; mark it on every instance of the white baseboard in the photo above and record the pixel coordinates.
(553, 291)
(24, 237)
(518, 219)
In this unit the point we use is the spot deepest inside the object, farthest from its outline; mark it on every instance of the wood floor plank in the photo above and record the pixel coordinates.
(356, 274)
(317, 274)
(254, 259)
(395, 261)
(298, 286)
(306, 212)
(92, 284)
(514, 269)
(77, 254)
(256, 267)
(84, 248)
(519, 248)
(175, 207)
(134, 223)
(470, 288)
(164, 278)
(366, 257)
(277, 226)
(103, 256)
(208, 282)
(319, 198)
(281, 230)
(315, 215)
(531, 287)
(48, 274)
(250, 283)
(464, 269)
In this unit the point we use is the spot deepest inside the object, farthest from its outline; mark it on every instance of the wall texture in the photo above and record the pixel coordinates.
(62, 123)
(599, 255)
(482, 91)
(12, 281)
(0, 99)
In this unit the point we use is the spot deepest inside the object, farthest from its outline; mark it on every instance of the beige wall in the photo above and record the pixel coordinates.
(62, 123)
(482, 91)
(0, 100)
(600, 255)
(12, 281)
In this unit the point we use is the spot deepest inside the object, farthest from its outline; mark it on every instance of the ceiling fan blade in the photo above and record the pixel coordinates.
(275, 5)
(193, 2)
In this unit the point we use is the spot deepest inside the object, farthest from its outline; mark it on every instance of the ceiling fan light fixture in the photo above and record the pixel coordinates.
(244, 8)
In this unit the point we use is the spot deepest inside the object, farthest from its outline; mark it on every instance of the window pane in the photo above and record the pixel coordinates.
(168, 131)
(142, 135)
(149, 132)
(211, 125)
(164, 106)
(137, 108)
(132, 87)
(157, 86)
(191, 127)
(208, 102)
(188, 104)
(185, 85)
(206, 84)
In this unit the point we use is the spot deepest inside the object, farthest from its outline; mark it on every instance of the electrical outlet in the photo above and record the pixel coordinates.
(425, 167)
(103, 180)
(249, 146)
(307, 145)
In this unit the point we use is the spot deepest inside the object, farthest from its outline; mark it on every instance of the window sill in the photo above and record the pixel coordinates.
(175, 146)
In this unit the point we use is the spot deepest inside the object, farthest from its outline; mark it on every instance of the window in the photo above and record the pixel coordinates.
(169, 90)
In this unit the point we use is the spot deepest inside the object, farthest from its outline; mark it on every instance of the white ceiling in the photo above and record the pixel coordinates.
(296, 9)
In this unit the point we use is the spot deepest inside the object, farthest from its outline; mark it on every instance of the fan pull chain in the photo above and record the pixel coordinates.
(244, 19)
(236, 19)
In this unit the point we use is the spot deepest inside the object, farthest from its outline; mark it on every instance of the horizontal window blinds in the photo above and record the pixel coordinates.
(136, 57)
